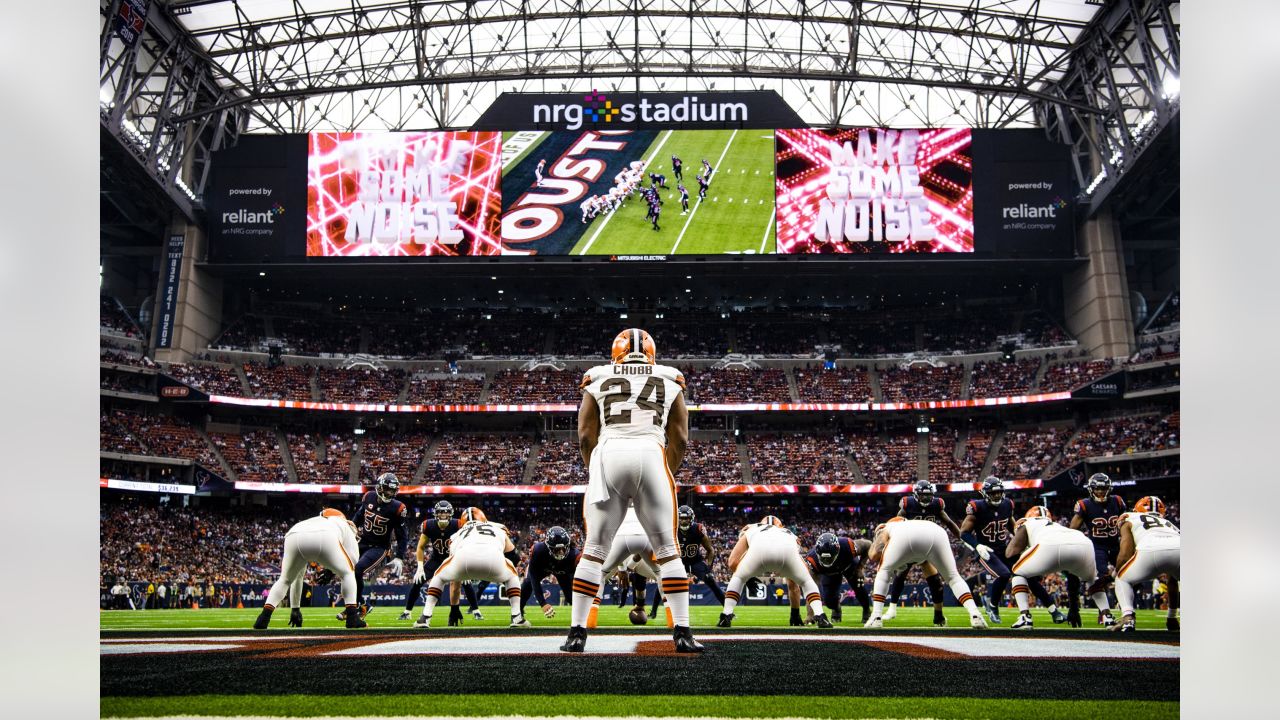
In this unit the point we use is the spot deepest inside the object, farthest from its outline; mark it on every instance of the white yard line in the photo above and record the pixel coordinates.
(596, 234)
(695, 207)
(765, 240)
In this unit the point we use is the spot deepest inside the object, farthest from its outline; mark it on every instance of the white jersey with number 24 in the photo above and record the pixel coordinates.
(634, 399)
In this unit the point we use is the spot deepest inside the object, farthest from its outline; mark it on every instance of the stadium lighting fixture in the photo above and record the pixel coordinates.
(501, 291)
(262, 273)
(1172, 86)
(622, 316)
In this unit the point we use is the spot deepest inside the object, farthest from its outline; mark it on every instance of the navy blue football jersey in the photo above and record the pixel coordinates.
(912, 509)
(542, 564)
(691, 543)
(992, 521)
(1101, 519)
(378, 521)
(438, 537)
(847, 560)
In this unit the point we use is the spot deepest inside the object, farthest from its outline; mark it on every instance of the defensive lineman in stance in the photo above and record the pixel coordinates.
(900, 542)
(633, 430)
(693, 542)
(1042, 546)
(555, 556)
(834, 559)
(765, 547)
(481, 550)
(1150, 546)
(329, 540)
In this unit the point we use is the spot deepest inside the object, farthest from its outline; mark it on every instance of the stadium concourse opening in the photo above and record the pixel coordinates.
(378, 286)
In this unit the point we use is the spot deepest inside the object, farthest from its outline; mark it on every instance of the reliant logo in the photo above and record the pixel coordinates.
(1023, 211)
(248, 217)
(597, 108)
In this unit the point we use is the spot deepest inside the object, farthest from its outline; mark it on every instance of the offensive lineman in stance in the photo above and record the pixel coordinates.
(900, 542)
(434, 533)
(329, 540)
(1150, 546)
(923, 504)
(633, 430)
(767, 546)
(481, 550)
(1042, 546)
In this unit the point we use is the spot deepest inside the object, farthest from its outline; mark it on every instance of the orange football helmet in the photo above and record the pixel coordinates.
(332, 512)
(473, 514)
(1150, 504)
(633, 345)
(771, 520)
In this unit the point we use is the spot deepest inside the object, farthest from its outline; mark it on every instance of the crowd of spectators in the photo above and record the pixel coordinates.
(1039, 330)
(394, 451)
(320, 457)
(1064, 376)
(1028, 453)
(113, 318)
(889, 460)
(779, 339)
(973, 456)
(837, 385)
(283, 382)
(732, 385)
(266, 457)
(927, 382)
(479, 459)
(312, 336)
(144, 433)
(1156, 377)
(535, 386)
(786, 459)
(873, 338)
(212, 379)
(444, 389)
(128, 382)
(1106, 437)
(247, 332)
(973, 330)
(942, 459)
(559, 463)
(122, 356)
(360, 384)
(711, 462)
(999, 379)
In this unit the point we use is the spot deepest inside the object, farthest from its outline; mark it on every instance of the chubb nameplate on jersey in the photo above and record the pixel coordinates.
(632, 369)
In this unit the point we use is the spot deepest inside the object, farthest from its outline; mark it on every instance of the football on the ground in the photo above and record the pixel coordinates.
(638, 616)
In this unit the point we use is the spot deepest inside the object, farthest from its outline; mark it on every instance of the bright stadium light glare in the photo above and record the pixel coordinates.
(1172, 87)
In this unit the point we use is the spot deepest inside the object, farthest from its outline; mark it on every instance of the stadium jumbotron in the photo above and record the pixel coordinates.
(676, 335)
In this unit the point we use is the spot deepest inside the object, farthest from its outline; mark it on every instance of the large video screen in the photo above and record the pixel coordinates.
(874, 190)
(875, 193)
(403, 194)
(638, 192)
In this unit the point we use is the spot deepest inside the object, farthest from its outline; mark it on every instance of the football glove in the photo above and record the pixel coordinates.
(795, 618)
(548, 611)
(420, 575)
(1073, 618)
(455, 616)
(984, 552)
(295, 617)
(397, 567)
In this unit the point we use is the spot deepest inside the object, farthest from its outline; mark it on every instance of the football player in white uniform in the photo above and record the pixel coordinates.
(1150, 546)
(901, 542)
(1042, 546)
(766, 547)
(630, 552)
(480, 550)
(633, 430)
(328, 540)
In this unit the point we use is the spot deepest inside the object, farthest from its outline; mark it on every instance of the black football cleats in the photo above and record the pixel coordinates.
(924, 491)
(1099, 486)
(685, 514)
(558, 542)
(992, 489)
(827, 549)
(387, 486)
(443, 511)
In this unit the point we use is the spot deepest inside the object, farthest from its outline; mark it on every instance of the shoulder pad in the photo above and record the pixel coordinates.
(942, 504)
(971, 508)
(1080, 506)
(1120, 501)
(902, 504)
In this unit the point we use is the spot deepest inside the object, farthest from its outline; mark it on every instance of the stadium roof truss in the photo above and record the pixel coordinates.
(207, 70)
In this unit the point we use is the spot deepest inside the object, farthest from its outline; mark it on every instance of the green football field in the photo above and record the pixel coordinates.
(209, 663)
(736, 216)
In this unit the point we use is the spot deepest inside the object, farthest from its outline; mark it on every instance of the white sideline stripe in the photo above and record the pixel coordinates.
(609, 217)
(768, 226)
(976, 647)
(695, 208)
(159, 647)
(247, 638)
